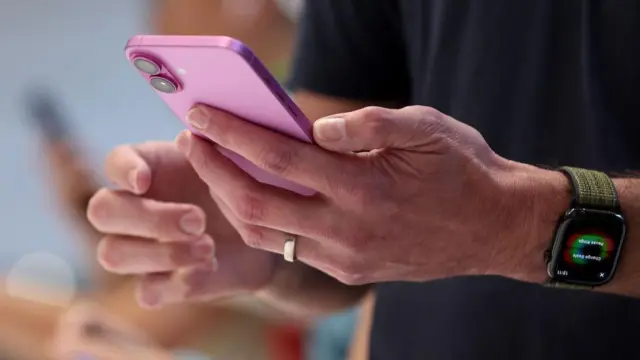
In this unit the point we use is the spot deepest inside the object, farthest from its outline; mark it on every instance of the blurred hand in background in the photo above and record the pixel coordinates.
(73, 182)
(90, 332)
(161, 226)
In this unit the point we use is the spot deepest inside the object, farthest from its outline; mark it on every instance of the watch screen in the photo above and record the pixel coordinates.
(588, 247)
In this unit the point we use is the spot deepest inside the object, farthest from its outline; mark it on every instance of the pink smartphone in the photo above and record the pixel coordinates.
(223, 73)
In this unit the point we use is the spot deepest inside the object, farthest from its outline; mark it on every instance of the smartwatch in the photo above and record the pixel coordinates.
(588, 241)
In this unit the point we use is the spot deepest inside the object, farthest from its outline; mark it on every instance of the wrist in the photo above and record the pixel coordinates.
(627, 275)
(538, 198)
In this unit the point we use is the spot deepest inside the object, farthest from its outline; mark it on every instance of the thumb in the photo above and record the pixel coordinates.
(374, 128)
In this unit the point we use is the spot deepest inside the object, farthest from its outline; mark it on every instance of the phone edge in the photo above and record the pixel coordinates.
(247, 55)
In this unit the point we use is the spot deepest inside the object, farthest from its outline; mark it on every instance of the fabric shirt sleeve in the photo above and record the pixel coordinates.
(352, 49)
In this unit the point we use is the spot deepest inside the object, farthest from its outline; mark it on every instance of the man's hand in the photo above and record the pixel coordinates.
(408, 194)
(161, 223)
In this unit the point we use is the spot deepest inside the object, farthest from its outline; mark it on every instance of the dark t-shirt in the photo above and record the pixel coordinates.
(554, 82)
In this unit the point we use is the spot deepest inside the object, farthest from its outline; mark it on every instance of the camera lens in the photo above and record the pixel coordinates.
(164, 85)
(146, 66)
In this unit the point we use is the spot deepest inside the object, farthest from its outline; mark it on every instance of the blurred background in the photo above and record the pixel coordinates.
(68, 97)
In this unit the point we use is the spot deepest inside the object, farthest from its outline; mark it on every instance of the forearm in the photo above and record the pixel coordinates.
(26, 327)
(214, 328)
(306, 292)
(169, 327)
(550, 194)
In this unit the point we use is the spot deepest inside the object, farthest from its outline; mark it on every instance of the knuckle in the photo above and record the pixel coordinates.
(115, 165)
(371, 113)
(360, 196)
(350, 270)
(253, 237)
(277, 160)
(178, 255)
(352, 278)
(161, 225)
(430, 119)
(376, 123)
(170, 221)
(430, 113)
(114, 155)
(250, 207)
(424, 112)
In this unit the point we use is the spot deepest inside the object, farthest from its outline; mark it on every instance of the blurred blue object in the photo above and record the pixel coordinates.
(331, 337)
(45, 114)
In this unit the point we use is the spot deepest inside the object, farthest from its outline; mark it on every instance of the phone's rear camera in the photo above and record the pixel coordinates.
(146, 66)
(163, 84)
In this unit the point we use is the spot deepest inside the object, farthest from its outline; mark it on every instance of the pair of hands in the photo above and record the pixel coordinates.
(408, 194)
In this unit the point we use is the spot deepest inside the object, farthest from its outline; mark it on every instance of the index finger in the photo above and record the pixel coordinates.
(302, 163)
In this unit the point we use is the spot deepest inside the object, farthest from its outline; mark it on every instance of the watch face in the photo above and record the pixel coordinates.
(587, 247)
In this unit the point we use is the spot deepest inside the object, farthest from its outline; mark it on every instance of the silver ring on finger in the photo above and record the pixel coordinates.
(289, 252)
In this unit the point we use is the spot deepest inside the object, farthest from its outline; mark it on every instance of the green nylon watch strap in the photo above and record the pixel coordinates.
(592, 189)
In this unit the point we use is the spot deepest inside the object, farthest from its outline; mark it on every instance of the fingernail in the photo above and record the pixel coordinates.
(183, 142)
(140, 179)
(202, 249)
(330, 129)
(192, 223)
(198, 118)
(133, 179)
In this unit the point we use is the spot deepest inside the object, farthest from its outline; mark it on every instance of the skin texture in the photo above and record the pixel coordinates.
(342, 231)
(406, 161)
(437, 156)
(492, 216)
